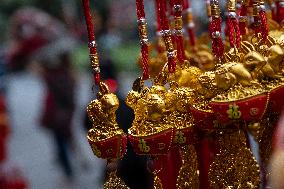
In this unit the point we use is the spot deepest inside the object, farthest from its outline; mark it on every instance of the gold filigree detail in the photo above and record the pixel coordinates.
(235, 165)
(188, 174)
(113, 182)
(157, 182)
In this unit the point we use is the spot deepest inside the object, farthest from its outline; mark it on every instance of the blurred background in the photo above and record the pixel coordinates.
(45, 85)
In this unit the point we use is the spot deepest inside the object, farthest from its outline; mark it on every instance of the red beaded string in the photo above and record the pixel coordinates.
(177, 11)
(92, 43)
(167, 35)
(215, 30)
(143, 37)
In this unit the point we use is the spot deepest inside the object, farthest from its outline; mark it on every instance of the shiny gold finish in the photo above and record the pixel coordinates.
(102, 115)
(188, 176)
(234, 166)
(143, 32)
(157, 182)
(113, 182)
(94, 58)
(215, 9)
(231, 5)
(150, 110)
(178, 100)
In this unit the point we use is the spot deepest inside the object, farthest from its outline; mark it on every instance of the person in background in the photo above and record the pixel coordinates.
(59, 109)
(11, 176)
(41, 40)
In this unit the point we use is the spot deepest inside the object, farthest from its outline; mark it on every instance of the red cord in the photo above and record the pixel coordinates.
(243, 23)
(143, 38)
(190, 24)
(167, 35)
(185, 4)
(140, 9)
(279, 11)
(215, 34)
(163, 16)
(177, 11)
(159, 27)
(233, 31)
(90, 25)
(264, 25)
(91, 36)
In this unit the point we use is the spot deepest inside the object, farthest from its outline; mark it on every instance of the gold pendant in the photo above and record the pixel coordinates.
(188, 177)
(114, 182)
(235, 165)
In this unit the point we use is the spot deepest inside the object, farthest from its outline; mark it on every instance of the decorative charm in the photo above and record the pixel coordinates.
(106, 139)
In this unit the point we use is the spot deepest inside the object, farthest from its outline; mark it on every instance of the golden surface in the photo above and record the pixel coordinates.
(157, 182)
(113, 182)
(234, 166)
(150, 110)
(188, 174)
(101, 113)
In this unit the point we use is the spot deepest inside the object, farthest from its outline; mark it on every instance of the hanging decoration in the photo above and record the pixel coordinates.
(208, 94)
(106, 139)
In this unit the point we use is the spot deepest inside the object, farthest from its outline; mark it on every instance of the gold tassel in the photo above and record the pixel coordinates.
(157, 182)
(235, 166)
(113, 182)
(188, 177)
